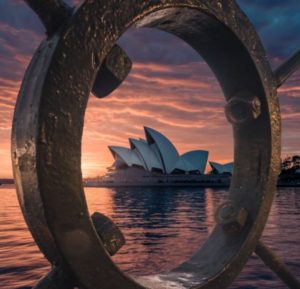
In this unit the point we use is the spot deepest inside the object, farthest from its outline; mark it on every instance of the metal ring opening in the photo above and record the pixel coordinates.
(48, 128)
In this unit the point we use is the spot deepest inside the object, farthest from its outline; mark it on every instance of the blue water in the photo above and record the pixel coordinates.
(163, 227)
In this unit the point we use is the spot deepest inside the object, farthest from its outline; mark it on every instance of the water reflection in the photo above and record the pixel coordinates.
(160, 224)
(163, 228)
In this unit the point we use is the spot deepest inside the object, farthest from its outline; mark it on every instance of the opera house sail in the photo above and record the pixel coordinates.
(221, 168)
(155, 161)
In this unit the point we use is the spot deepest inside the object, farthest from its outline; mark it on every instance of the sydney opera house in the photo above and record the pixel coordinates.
(155, 161)
(157, 154)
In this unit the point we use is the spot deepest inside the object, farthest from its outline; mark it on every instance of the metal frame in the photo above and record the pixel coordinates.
(48, 124)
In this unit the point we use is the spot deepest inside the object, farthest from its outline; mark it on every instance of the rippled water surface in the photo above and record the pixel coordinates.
(163, 227)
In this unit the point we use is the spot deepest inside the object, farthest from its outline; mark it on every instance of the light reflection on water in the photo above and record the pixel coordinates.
(163, 227)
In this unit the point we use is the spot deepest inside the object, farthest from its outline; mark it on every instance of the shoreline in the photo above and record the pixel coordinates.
(164, 185)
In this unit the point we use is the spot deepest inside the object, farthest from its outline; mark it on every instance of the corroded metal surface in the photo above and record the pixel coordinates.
(55, 14)
(231, 218)
(112, 239)
(48, 124)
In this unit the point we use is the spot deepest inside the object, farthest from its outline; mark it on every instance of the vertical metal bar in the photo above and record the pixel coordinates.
(276, 265)
(286, 69)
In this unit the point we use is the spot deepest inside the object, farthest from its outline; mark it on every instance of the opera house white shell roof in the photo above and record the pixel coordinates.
(222, 168)
(157, 153)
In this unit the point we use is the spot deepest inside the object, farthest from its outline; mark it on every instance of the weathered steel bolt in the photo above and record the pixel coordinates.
(230, 217)
(113, 71)
(109, 233)
(243, 107)
(112, 239)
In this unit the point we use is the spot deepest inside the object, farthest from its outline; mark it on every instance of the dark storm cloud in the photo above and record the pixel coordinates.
(20, 34)
(17, 14)
(277, 22)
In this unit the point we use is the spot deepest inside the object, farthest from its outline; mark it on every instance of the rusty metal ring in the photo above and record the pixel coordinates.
(48, 126)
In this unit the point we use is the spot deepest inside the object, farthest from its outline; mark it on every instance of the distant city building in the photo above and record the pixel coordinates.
(290, 162)
(157, 154)
(221, 168)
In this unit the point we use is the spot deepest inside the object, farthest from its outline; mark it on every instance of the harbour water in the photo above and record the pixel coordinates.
(163, 227)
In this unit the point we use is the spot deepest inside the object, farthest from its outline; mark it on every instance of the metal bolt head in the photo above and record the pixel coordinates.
(231, 217)
(113, 71)
(242, 108)
(109, 233)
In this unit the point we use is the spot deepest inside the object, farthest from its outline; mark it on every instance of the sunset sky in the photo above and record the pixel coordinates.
(169, 88)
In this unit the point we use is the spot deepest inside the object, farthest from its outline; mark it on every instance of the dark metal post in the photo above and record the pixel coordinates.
(286, 69)
(276, 265)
